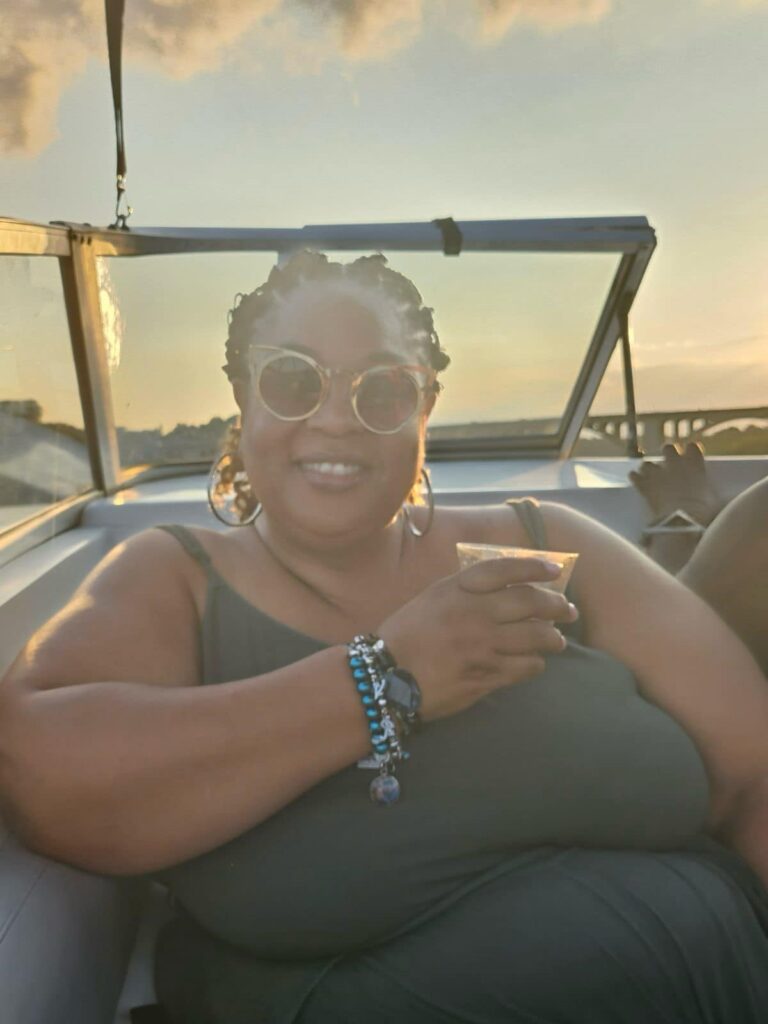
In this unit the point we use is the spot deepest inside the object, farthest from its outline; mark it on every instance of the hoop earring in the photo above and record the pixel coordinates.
(415, 531)
(229, 492)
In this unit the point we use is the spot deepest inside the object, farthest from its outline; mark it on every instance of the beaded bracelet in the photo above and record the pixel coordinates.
(366, 661)
(406, 718)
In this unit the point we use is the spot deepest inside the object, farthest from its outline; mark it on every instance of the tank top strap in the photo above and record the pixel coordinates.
(529, 514)
(193, 547)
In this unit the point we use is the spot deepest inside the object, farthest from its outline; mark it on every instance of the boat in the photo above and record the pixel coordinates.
(104, 432)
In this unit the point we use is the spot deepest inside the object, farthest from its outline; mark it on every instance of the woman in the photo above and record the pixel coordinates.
(492, 889)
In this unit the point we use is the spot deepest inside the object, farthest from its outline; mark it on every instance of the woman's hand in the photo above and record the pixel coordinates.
(482, 628)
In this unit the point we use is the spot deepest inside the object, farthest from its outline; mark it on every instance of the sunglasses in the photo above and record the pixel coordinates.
(293, 386)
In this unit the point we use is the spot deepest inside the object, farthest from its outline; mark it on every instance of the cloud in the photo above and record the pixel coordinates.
(184, 37)
(497, 17)
(370, 29)
(702, 385)
(308, 34)
(725, 349)
(44, 44)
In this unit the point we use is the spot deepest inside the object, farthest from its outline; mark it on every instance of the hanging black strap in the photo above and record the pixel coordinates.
(114, 10)
(452, 237)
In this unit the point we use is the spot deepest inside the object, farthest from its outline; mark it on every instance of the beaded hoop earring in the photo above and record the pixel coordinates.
(424, 477)
(229, 492)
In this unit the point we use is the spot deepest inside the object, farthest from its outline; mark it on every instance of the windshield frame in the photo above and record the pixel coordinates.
(79, 245)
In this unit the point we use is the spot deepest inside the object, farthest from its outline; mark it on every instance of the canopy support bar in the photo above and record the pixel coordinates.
(634, 451)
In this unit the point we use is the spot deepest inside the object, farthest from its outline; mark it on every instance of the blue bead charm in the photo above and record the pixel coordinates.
(384, 790)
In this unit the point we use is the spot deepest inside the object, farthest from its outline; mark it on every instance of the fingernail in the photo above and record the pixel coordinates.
(573, 610)
(552, 567)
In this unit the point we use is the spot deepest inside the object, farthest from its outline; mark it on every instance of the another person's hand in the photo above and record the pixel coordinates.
(678, 481)
(483, 628)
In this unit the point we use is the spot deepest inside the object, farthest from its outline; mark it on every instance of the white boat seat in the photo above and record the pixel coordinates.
(139, 987)
(65, 939)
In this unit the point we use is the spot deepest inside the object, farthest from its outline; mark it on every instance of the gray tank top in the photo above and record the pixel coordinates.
(574, 757)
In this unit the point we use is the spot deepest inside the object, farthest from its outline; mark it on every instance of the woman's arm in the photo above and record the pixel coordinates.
(685, 658)
(112, 758)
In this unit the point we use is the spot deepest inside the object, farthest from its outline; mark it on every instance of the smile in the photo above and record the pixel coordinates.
(332, 468)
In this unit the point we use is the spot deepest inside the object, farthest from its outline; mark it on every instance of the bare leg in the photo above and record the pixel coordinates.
(679, 481)
(729, 568)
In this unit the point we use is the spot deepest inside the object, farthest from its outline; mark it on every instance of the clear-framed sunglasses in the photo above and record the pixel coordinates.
(292, 386)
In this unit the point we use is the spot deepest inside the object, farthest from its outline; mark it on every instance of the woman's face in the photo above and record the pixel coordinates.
(328, 476)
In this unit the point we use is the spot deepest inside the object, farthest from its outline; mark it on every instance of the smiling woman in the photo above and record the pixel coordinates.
(369, 322)
(544, 854)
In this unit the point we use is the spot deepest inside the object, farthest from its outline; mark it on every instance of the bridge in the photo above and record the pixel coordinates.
(657, 428)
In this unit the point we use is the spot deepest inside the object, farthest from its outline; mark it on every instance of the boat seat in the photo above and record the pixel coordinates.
(75, 948)
(139, 987)
(65, 939)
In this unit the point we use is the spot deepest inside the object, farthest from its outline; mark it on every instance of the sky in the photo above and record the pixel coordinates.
(291, 112)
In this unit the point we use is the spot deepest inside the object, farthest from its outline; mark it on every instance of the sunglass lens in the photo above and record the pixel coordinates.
(386, 399)
(290, 386)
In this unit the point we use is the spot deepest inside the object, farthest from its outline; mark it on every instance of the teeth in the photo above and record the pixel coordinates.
(336, 468)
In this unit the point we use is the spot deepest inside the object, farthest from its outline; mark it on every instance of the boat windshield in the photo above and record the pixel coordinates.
(111, 345)
(517, 327)
(111, 341)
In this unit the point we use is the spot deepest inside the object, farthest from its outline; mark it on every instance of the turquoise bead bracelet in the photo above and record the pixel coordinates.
(366, 663)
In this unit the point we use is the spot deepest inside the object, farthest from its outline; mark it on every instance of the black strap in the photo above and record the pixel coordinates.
(452, 237)
(530, 516)
(114, 11)
(192, 546)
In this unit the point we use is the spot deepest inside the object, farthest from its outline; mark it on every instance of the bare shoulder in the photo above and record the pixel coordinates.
(483, 524)
(566, 525)
(609, 569)
(152, 564)
(604, 555)
(134, 618)
(620, 592)
(503, 524)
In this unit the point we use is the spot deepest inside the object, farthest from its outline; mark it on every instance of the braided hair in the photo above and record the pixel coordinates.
(369, 273)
